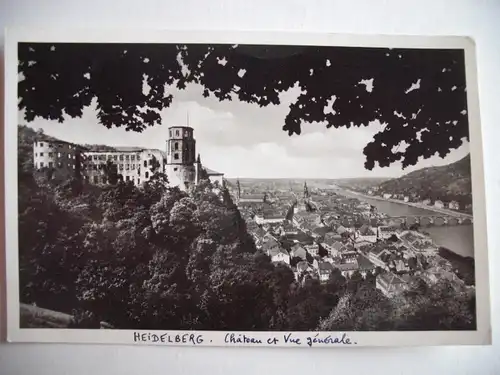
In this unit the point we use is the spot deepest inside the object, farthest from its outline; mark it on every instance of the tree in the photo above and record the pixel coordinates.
(111, 172)
(442, 306)
(419, 95)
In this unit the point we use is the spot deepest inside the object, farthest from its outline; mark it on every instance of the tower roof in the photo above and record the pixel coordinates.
(180, 127)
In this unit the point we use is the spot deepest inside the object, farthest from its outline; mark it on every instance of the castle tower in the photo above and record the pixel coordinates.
(181, 151)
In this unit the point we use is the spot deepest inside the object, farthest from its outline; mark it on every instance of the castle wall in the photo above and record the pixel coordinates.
(61, 157)
(181, 176)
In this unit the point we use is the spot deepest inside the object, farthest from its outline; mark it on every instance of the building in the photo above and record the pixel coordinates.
(377, 256)
(438, 204)
(298, 251)
(324, 271)
(279, 255)
(365, 265)
(301, 269)
(312, 249)
(129, 164)
(386, 232)
(390, 284)
(132, 164)
(270, 217)
(454, 205)
(347, 269)
(366, 233)
(62, 158)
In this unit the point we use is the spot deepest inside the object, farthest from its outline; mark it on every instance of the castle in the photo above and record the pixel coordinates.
(179, 162)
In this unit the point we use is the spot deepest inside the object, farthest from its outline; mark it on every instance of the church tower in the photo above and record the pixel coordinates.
(181, 157)
(238, 190)
(306, 191)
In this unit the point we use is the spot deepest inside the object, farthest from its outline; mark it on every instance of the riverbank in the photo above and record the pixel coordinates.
(421, 206)
(459, 238)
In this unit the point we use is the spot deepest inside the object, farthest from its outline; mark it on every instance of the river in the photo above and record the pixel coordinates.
(459, 239)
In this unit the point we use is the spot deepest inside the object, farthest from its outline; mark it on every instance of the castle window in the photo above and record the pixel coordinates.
(70, 147)
(41, 153)
(147, 175)
(127, 166)
(127, 157)
(132, 166)
(177, 133)
(176, 156)
(73, 166)
(110, 157)
(51, 164)
(121, 167)
(175, 169)
(121, 157)
(138, 181)
(95, 157)
(36, 154)
(132, 157)
(41, 164)
(138, 157)
(170, 133)
(41, 144)
(115, 157)
(51, 154)
(145, 163)
(59, 165)
(127, 178)
(176, 146)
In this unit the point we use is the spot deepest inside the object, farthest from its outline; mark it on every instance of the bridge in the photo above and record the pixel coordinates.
(428, 220)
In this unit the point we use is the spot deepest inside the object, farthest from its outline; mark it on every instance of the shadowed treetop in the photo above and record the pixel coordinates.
(419, 95)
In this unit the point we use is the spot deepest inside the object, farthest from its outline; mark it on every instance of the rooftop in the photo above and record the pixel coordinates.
(180, 127)
(211, 172)
(364, 263)
(325, 266)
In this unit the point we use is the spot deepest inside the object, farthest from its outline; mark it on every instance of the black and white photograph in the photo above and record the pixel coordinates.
(245, 188)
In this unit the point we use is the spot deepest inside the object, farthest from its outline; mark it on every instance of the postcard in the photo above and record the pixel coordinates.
(244, 189)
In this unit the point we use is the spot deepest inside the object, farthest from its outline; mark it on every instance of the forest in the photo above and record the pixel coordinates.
(154, 257)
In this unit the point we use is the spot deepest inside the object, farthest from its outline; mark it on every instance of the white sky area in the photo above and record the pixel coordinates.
(244, 140)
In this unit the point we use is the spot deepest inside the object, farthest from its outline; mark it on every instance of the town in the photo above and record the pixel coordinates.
(316, 232)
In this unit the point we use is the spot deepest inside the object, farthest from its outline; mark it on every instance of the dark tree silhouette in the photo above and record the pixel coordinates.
(419, 95)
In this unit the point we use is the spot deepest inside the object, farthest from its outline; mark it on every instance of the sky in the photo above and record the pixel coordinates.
(246, 141)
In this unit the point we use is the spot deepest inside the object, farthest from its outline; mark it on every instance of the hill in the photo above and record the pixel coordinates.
(27, 135)
(446, 183)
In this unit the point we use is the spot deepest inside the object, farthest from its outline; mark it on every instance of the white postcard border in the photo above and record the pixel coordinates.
(482, 336)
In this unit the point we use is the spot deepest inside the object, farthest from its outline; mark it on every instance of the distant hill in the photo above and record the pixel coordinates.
(361, 182)
(448, 182)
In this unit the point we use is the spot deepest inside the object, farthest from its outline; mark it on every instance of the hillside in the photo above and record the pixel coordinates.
(448, 182)
(27, 135)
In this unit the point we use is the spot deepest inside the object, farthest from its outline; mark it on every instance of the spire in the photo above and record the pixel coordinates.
(238, 188)
(306, 191)
(198, 159)
(187, 118)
